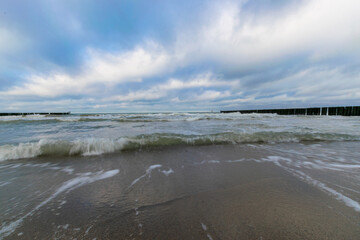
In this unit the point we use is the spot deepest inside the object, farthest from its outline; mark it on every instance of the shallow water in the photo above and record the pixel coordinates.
(32, 136)
(183, 176)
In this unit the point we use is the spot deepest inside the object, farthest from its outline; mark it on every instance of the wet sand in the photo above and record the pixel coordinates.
(202, 192)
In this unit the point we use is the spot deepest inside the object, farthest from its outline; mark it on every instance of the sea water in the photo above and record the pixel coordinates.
(92, 134)
(45, 159)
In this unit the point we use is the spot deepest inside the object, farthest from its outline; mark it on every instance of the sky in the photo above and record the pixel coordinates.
(181, 55)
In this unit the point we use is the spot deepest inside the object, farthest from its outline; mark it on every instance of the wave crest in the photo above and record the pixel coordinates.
(97, 146)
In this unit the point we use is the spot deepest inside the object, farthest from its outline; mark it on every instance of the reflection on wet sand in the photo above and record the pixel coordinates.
(289, 191)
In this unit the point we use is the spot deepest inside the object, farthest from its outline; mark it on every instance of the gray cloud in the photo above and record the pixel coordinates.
(304, 53)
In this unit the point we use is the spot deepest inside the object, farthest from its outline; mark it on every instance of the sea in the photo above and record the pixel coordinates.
(70, 176)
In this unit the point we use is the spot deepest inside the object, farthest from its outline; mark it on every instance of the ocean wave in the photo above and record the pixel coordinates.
(98, 146)
(51, 120)
(87, 119)
(156, 117)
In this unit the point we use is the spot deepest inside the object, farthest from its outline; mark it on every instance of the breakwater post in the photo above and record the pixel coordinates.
(327, 111)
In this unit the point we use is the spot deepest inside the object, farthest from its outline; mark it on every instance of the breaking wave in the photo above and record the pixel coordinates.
(159, 117)
(98, 146)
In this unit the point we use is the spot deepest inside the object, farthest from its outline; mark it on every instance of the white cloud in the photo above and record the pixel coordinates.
(200, 80)
(237, 39)
(314, 86)
(100, 69)
(129, 66)
(210, 95)
(149, 94)
(231, 39)
(204, 80)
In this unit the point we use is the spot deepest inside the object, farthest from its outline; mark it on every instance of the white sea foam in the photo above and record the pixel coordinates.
(204, 227)
(168, 172)
(213, 161)
(191, 119)
(48, 166)
(345, 166)
(281, 161)
(85, 147)
(4, 183)
(200, 163)
(16, 166)
(147, 173)
(235, 161)
(348, 201)
(136, 211)
(23, 150)
(350, 189)
(67, 170)
(65, 226)
(8, 228)
(97, 146)
(88, 229)
(276, 160)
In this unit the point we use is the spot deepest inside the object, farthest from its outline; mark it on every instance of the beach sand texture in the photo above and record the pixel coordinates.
(249, 191)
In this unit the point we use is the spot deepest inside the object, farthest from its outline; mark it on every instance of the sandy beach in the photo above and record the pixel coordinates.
(200, 192)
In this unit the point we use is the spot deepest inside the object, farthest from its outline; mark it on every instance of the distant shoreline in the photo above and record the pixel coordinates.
(327, 111)
(33, 113)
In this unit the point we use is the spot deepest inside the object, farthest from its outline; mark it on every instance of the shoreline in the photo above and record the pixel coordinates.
(200, 192)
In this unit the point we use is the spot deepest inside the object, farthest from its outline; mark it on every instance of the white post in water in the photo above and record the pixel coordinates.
(306, 111)
(327, 111)
(320, 111)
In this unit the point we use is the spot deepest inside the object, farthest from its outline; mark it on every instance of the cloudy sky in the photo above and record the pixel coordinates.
(186, 55)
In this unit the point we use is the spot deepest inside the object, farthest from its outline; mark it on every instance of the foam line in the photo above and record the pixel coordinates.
(7, 229)
(98, 146)
(204, 227)
(147, 173)
(168, 172)
(348, 201)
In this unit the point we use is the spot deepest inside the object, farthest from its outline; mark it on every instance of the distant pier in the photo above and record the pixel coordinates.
(330, 111)
(34, 113)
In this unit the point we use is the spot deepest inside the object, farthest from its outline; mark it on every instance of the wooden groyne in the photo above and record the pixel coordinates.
(34, 113)
(331, 111)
